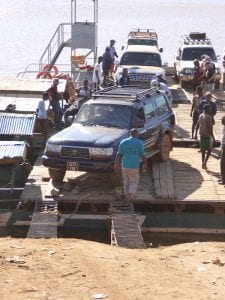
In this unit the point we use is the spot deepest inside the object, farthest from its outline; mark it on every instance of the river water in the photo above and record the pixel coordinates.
(26, 26)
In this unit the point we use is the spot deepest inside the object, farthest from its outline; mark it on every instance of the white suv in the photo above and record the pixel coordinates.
(193, 46)
(144, 37)
(142, 62)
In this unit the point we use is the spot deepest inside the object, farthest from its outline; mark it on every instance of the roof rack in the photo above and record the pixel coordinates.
(195, 38)
(143, 33)
(130, 93)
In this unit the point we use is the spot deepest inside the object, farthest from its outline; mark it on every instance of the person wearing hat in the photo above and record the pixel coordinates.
(212, 104)
(55, 97)
(205, 122)
(164, 88)
(160, 77)
(209, 76)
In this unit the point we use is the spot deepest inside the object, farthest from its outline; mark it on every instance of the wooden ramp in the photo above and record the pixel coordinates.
(44, 220)
(125, 230)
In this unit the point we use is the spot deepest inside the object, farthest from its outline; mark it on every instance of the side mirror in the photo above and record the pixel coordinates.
(165, 64)
(139, 123)
(177, 57)
(160, 50)
(218, 57)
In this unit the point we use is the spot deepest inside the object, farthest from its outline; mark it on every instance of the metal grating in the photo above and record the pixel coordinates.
(75, 152)
(17, 124)
(141, 77)
(12, 149)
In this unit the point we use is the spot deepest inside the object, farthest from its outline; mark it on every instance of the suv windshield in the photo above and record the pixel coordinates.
(196, 53)
(141, 59)
(110, 115)
(142, 42)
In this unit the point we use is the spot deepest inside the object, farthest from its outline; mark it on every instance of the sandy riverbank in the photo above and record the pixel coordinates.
(76, 269)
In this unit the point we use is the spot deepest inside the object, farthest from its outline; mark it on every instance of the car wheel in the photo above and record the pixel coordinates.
(165, 148)
(116, 178)
(56, 174)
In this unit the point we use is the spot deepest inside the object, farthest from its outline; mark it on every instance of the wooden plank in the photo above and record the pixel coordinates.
(163, 180)
(170, 183)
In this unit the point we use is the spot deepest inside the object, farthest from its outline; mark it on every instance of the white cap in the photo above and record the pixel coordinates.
(154, 83)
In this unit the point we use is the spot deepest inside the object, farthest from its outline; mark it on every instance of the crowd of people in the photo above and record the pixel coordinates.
(203, 111)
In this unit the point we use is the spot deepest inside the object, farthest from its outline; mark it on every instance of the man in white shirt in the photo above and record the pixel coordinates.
(97, 74)
(43, 117)
(112, 48)
(163, 87)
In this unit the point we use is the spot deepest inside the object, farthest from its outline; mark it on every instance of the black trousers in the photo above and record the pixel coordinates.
(222, 163)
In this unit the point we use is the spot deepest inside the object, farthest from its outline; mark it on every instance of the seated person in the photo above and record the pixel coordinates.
(84, 93)
(125, 78)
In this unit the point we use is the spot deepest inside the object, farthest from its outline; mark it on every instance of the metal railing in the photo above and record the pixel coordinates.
(60, 39)
(32, 70)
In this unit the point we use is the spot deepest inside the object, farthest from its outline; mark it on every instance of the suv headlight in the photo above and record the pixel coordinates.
(53, 148)
(187, 71)
(101, 152)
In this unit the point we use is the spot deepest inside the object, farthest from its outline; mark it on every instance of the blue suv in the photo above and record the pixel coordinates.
(91, 142)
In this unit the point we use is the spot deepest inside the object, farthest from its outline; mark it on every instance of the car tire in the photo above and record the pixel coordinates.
(56, 174)
(116, 178)
(165, 148)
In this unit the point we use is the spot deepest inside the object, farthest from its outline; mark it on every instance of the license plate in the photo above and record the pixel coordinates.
(72, 166)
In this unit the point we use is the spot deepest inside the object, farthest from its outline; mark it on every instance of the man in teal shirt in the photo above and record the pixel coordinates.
(129, 155)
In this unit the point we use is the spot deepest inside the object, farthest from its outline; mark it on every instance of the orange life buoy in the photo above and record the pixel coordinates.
(44, 75)
(83, 67)
(46, 68)
(61, 76)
